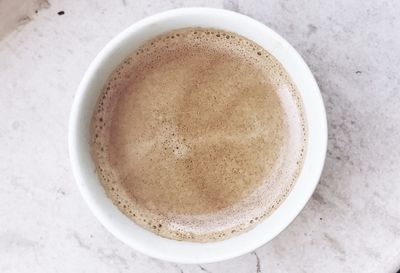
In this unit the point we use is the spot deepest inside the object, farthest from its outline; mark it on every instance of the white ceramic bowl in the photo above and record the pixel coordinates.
(89, 90)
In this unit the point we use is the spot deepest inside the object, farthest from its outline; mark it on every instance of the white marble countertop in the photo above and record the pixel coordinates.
(352, 223)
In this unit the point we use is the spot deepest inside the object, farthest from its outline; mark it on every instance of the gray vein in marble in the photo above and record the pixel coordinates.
(80, 242)
(203, 269)
(258, 265)
(335, 244)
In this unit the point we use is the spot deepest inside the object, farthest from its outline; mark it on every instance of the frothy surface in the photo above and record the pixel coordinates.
(198, 135)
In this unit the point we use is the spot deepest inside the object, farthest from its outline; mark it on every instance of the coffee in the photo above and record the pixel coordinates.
(198, 135)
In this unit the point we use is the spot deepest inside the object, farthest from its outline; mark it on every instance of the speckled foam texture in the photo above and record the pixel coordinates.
(198, 135)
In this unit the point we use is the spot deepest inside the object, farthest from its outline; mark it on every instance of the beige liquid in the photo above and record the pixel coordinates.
(198, 135)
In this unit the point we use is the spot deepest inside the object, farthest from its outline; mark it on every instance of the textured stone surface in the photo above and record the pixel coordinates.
(352, 223)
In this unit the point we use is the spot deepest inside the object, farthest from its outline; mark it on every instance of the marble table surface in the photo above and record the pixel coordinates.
(352, 223)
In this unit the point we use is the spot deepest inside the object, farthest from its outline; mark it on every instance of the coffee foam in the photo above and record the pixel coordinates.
(198, 135)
